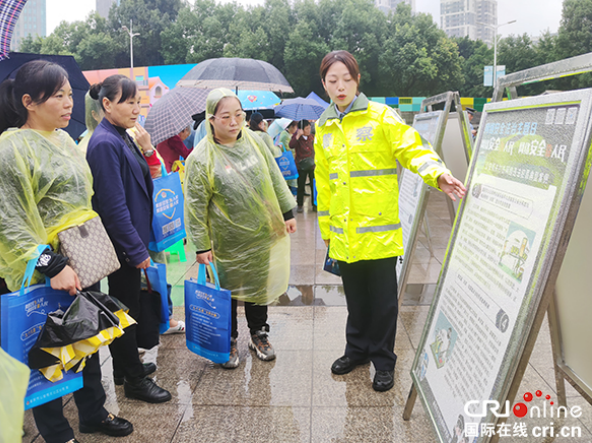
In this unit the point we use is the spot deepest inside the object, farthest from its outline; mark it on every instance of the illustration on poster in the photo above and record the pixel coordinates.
(516, 250)
(444, 340)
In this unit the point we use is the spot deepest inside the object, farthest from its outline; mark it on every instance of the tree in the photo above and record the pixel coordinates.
(150, 19)
(31, 44)
(575, 31)
(200, 33)
(417, 58)
(302, 58)
(474, 56)
(97, 51)
(360, 30)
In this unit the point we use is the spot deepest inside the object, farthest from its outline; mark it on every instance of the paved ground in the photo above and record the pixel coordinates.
(296, 398)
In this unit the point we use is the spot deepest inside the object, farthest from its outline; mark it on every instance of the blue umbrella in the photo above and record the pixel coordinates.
(258, 99)
(299, 109)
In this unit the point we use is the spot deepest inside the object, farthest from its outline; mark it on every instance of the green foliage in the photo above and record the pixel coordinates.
(417, 58)
(474, 56)
(402, 54)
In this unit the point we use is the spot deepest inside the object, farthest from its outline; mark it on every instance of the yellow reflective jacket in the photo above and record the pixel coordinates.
(46, 187)
(356, 176)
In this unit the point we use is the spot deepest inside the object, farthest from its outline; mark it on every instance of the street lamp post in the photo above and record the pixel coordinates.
(495, 50)
(131, 36)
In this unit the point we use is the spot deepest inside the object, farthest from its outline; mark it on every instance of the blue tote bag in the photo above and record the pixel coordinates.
(287, 164)
(23, 314)
(156, 273)
(168, 222)
(208, 317)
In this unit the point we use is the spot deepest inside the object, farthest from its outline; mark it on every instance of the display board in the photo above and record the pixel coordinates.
(508, 240)
(573, 304)
(413, 193)
(454, 154)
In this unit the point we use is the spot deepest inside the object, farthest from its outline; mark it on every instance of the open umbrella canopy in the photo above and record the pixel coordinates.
(172, 113)
(278, 126)
(299, 109)
(257, 99)
(80, 86)
(232, 73)
(10, 10)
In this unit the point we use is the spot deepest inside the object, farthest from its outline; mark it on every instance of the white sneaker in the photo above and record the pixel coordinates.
(179, 329)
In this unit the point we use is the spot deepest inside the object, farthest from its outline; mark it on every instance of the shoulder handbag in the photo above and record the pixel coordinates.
(90, 251)
(306, 164)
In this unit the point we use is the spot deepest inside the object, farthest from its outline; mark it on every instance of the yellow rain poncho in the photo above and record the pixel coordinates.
(234, 201)
(273, 149)
(14, 379)
(46, 187)
(94, 114)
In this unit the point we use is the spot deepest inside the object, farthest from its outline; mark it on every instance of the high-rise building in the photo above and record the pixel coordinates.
(391, 5)
(103, 7)
(32, 21)
(475, 19)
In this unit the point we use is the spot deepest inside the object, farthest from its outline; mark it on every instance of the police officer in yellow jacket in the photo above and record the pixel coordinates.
(357, 145)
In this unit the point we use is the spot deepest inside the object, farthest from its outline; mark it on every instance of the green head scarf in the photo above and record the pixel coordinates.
(214, 97)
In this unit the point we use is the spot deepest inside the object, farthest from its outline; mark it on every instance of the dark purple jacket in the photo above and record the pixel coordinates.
(123, 195)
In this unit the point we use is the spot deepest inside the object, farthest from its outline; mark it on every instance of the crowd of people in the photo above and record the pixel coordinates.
(238, 211)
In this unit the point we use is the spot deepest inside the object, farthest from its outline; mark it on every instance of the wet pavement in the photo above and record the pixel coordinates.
(295, 398)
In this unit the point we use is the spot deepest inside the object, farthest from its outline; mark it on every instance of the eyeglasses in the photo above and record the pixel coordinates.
(238, 117)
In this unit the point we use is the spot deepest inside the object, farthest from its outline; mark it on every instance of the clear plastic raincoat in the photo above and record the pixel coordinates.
(273, 149)
(91, 105)
(234, 201)
(46, 187)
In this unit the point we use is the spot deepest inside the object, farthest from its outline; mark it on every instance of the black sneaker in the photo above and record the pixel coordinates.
(260, 344)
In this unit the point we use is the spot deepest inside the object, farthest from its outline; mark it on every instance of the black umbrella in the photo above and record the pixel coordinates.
(235, 73)
(9, 67)
(93, 320)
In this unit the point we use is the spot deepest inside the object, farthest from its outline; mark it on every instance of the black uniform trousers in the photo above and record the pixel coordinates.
(371, 293)
(90, 399)
(256, 318)
(124, 284)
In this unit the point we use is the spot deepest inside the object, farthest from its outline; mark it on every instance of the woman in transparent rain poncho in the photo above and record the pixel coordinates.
(46, 187)
(238, 214)
(94, 115)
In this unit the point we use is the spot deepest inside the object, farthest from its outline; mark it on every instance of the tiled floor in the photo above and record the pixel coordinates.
(296, 398)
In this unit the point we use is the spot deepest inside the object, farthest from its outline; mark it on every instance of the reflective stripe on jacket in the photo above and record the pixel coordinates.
(356, 178)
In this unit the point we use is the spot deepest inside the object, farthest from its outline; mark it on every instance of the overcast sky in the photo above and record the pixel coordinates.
(533, 16)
